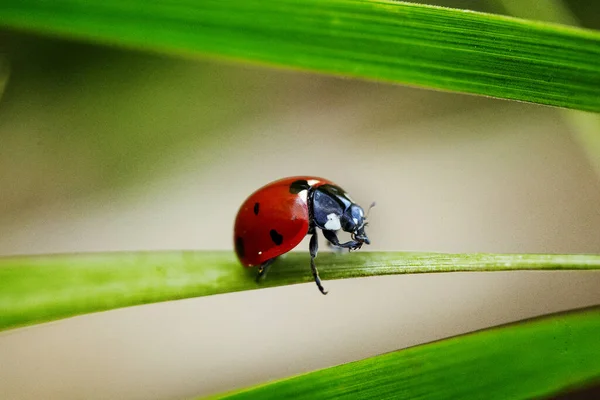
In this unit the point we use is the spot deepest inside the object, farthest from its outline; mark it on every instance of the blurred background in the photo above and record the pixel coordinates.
(103, 149)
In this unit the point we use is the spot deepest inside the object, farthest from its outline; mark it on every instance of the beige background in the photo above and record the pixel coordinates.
(119, 151)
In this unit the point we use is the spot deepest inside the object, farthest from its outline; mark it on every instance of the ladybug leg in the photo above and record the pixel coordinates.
(263, 269)
(333, 239)
(336, 249)
(314, 248)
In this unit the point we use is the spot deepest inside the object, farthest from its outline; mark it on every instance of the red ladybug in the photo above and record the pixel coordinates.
(275, 218)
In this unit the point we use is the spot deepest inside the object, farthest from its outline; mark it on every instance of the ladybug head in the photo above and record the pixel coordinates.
(354, 221)
(333, 210)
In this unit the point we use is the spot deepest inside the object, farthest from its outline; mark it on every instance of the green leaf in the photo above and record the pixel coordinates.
(45, 288)
(522, 361)
(382, 40)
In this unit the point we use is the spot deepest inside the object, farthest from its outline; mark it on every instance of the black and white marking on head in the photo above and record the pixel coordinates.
(256, 207)
(333, 222)
(276, 237)
(298, 186)
(239, 246)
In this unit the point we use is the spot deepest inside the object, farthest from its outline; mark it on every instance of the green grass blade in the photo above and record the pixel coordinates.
(382, 40)
(45, 288)
(522, 361)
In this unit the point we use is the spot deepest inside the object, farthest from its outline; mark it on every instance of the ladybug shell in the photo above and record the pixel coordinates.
(274, 219)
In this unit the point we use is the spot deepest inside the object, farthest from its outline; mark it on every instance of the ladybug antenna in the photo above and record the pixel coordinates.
(373, 204)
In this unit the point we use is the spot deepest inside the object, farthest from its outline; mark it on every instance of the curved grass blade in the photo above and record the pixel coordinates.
(44, 288)
(382, 40)
(528, 360)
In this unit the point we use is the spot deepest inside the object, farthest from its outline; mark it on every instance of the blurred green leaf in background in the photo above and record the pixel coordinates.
(383, 40)
(528, 360)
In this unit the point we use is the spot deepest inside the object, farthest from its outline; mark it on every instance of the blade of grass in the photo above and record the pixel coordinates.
(521, 361)
(45, 288)
(383, 40)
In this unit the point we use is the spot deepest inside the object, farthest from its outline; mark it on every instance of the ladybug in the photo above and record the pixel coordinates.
(275, 219)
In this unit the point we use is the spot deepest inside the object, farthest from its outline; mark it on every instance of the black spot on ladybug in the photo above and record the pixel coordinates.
(298, 186)
(239, 246)
(276, 237)
(256, 206)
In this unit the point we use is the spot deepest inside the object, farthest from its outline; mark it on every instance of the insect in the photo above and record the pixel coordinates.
(275, 219)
